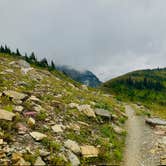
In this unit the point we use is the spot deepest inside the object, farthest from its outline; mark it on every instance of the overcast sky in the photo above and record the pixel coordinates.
(108, 37)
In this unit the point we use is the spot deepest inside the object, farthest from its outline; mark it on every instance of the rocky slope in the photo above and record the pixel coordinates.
(84, 77)
(47, 119)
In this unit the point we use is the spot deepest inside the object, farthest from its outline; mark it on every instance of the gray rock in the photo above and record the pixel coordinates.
(14, 95)
(73, 146)
(103, 113)
(38, 136)
(57, 128)
(155, 121)
(6, 115)
(73, 159)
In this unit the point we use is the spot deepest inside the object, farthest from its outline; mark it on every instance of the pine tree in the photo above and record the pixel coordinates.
(43, 63)
(18, 52)
(52, 64)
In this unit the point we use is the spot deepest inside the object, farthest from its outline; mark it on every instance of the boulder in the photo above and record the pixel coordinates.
(15, 95)
(89, 151)
(87, 110)
(103, 113)
(40, 162)
(57, 128)
(38, 136)
(163, 160)
(6, 115)
(73, 146)
(155, 121)
(73, 159)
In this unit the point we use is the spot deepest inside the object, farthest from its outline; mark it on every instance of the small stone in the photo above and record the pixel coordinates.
(44, 153)
(73, 105)
(57, 128)
(31, 122)
(38, 136)
(39, 162)
(73, 159)
(73, 146)
(22, 129)
(87, 110)
(103, 113)
(19, 108)
(118, 129)
(89, 151)
(35, 99)
(1, 141)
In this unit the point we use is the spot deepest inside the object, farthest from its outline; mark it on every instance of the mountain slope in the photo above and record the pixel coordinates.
(147, 86)
(46, 118)
(84, 77)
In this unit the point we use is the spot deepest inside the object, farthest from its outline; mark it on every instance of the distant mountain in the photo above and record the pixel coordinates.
(85, 77)
(143, 85)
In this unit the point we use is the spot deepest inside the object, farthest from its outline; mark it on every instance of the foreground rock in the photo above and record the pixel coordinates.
(38, 136)
(155, 121)
(6, 115)
(89, 151)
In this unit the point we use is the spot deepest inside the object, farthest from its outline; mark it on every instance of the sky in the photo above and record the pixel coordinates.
(108, 37)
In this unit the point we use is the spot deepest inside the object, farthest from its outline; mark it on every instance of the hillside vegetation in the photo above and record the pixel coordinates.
(146, 86)
(47, 118)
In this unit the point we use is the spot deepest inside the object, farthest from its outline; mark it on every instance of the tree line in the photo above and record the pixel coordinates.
(29, 58)
(143, 83)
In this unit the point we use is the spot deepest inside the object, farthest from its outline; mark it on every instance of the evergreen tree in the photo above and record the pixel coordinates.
(43, 63)
(18, 52)
(52, 65)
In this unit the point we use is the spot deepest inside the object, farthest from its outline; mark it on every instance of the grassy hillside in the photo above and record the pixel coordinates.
(146, 86)
(62, 112)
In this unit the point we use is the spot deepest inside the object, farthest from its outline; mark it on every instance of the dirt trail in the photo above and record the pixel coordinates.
(140, 141)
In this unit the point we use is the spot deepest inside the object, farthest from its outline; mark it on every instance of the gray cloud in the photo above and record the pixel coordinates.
(109, 37)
